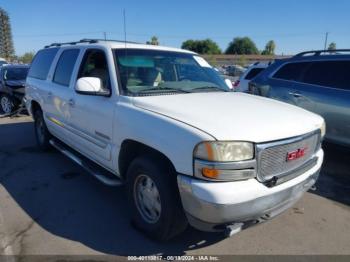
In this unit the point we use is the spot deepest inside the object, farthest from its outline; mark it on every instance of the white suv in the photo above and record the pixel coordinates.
(160, 121)
(241, 85)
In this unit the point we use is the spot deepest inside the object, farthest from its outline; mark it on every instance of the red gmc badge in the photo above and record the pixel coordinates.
(296, 154)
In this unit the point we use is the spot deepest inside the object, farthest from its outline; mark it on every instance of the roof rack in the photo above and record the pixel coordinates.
(319, 52)
(89, 41)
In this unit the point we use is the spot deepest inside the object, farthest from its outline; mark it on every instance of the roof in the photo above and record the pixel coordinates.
(117, 44)
(322, 55)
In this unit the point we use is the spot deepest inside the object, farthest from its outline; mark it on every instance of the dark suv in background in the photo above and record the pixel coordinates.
(318, 81)
(12, 80)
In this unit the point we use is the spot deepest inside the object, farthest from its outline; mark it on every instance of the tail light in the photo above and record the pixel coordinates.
(236, 83)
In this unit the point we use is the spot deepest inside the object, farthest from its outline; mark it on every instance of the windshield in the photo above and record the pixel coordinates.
(153, 72)
(15, 73)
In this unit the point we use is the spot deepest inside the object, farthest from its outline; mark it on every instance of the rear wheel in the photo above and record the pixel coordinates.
(42, 134)
(154, 199)
(7, 104)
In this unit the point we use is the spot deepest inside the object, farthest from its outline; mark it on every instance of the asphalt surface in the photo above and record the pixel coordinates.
(50, 206)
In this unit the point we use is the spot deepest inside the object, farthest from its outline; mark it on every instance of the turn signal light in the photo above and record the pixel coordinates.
(210, 173)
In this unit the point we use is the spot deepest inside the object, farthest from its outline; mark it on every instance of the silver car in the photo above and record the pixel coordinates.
(318, 81)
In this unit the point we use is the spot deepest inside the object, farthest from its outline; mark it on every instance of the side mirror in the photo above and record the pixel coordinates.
(229, 83)
(91, 86)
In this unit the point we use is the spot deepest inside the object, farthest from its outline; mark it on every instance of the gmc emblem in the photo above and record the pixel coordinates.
(296, 154)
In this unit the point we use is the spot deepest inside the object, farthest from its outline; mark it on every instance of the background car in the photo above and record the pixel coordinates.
(318, 81)
(12, 80)
(2, 61)
(241, 85)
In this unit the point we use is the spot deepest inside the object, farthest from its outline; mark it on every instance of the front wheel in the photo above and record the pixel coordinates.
(154, 199)
(42, 134)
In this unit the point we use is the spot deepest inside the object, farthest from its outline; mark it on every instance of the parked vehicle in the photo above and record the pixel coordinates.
(12, 80)
(318, 81)
(241, 85)
(160, 121)
(2, 62)
(235, 70)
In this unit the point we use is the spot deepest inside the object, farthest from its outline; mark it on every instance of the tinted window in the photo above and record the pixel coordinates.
(95, 65)
(292, 71)
(253, 73)
(329, 73)
(41, 64)
(15, 73)
(65, 66)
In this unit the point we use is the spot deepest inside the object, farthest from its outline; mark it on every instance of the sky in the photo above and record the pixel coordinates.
(294, 25)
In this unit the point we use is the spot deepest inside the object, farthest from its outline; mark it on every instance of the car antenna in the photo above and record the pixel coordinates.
(126, 52)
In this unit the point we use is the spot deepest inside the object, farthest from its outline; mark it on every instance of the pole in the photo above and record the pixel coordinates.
(325, 42)
(105, 35)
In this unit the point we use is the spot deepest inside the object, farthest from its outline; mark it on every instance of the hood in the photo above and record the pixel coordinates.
(234, 116)
(15, 83)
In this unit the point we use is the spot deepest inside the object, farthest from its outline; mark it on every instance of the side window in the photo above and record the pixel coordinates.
(42, 62)
(65, 66)
(292, 71)
(329, 73)
(253, 73)
(95, 65)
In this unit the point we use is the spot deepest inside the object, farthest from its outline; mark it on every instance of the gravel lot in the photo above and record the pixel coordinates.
(48, 205)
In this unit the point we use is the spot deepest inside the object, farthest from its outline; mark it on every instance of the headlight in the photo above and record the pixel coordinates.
(323, 129)
(224, 151)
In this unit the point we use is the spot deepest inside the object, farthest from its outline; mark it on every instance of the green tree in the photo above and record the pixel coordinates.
(269, 48)
(154, 41)
(6, 42)
(206, 46)
(332, 46)
(242, 46)
(27, 57)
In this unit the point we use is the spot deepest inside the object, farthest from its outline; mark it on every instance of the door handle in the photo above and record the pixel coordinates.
(71, 102)
(296, 94)
(49, 95)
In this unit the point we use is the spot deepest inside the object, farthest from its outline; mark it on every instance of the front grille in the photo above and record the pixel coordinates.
(272, 157)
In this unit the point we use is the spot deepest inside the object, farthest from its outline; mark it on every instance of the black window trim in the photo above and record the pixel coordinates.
(96, 48)
(57, 62)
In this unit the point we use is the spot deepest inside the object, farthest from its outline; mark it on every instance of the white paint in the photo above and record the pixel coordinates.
(201, 61)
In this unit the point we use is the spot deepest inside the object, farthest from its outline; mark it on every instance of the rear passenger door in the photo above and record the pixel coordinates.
(329, 82)
(286, 85)
(60, 90)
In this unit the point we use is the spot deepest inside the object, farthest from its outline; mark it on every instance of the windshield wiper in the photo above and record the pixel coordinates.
(164, 89)
(209, 88)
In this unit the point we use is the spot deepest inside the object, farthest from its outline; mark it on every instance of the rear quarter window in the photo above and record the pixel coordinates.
(292, 71)
(333, 74)
(253, 73)
(41, 63)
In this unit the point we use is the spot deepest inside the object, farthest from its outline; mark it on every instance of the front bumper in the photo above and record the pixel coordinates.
(210, 206)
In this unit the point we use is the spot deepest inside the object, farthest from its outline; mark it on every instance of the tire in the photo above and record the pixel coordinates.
(7, 104)
(167, 218)
(42, 134)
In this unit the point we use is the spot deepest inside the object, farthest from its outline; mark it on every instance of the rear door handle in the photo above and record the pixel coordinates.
(295, 94)
(49, 95)
(71, 102)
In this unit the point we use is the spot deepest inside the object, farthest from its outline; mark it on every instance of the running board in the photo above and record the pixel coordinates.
(98, 172)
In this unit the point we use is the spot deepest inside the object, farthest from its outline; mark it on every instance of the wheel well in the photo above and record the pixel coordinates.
(35, 106)
(131, 149)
